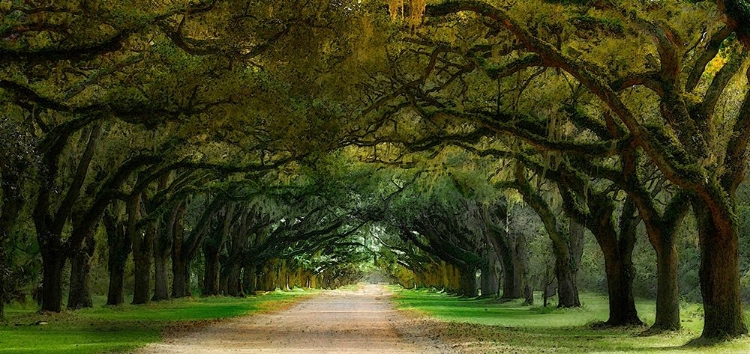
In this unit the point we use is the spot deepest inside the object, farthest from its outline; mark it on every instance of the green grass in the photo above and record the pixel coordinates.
(485, 325)
(122, 328)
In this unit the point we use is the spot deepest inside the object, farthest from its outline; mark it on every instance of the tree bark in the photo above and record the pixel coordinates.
(224, 279)
(719, 273)
(52, 264)
(161, 277)
(249, 277)
(566, 259)
(566, 268)
(667, 288)
(162, 249)
(622, 311)
(211, 270)
(490, 281)
(234, 283)
(468, 282)
(567, 287)
(618, 263)
(49, 225)
(119, 246)
(178, 263)
(179, 281)
(79, 295)
(616, 243)
(512, 279)
(512, 255)
(143, 252)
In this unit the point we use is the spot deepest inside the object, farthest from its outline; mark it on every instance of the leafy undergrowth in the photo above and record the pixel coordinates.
(123, 328)
(491, 326)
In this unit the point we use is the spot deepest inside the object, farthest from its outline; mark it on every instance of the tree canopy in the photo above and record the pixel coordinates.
(264, 144)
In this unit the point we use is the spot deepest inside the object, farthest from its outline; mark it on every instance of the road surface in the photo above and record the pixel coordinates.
(358, 321)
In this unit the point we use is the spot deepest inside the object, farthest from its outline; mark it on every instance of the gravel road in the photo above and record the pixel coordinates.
(337, 321)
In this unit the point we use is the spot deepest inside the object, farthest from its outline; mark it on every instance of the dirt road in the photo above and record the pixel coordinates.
(361, 321)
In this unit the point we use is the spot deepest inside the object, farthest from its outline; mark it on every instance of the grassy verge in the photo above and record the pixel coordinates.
(483, 326)
(123, 328)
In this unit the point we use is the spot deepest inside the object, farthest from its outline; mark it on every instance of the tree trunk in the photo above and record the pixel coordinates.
(513, 265)
(179, 272)
(550, 285)
(234, 283)
(528, 294)
(162, 249)
(161, 277)
(567, 247)
(178, 263)
(119, 246)
(566, 268)
(249, 276)
(567, 287)
(52, 264)
(617, 249)
(80, 276)
(667, 288)
(211, 270)
(143, 251)
(719, 273)
(116, 291)
(490, 282)
(49, 226)
(620, 274)
(224, 279)
(512, 279)
(468, 282)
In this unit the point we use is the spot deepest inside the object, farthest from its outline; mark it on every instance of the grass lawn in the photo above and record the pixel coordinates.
(122, 328)
(484, 325)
